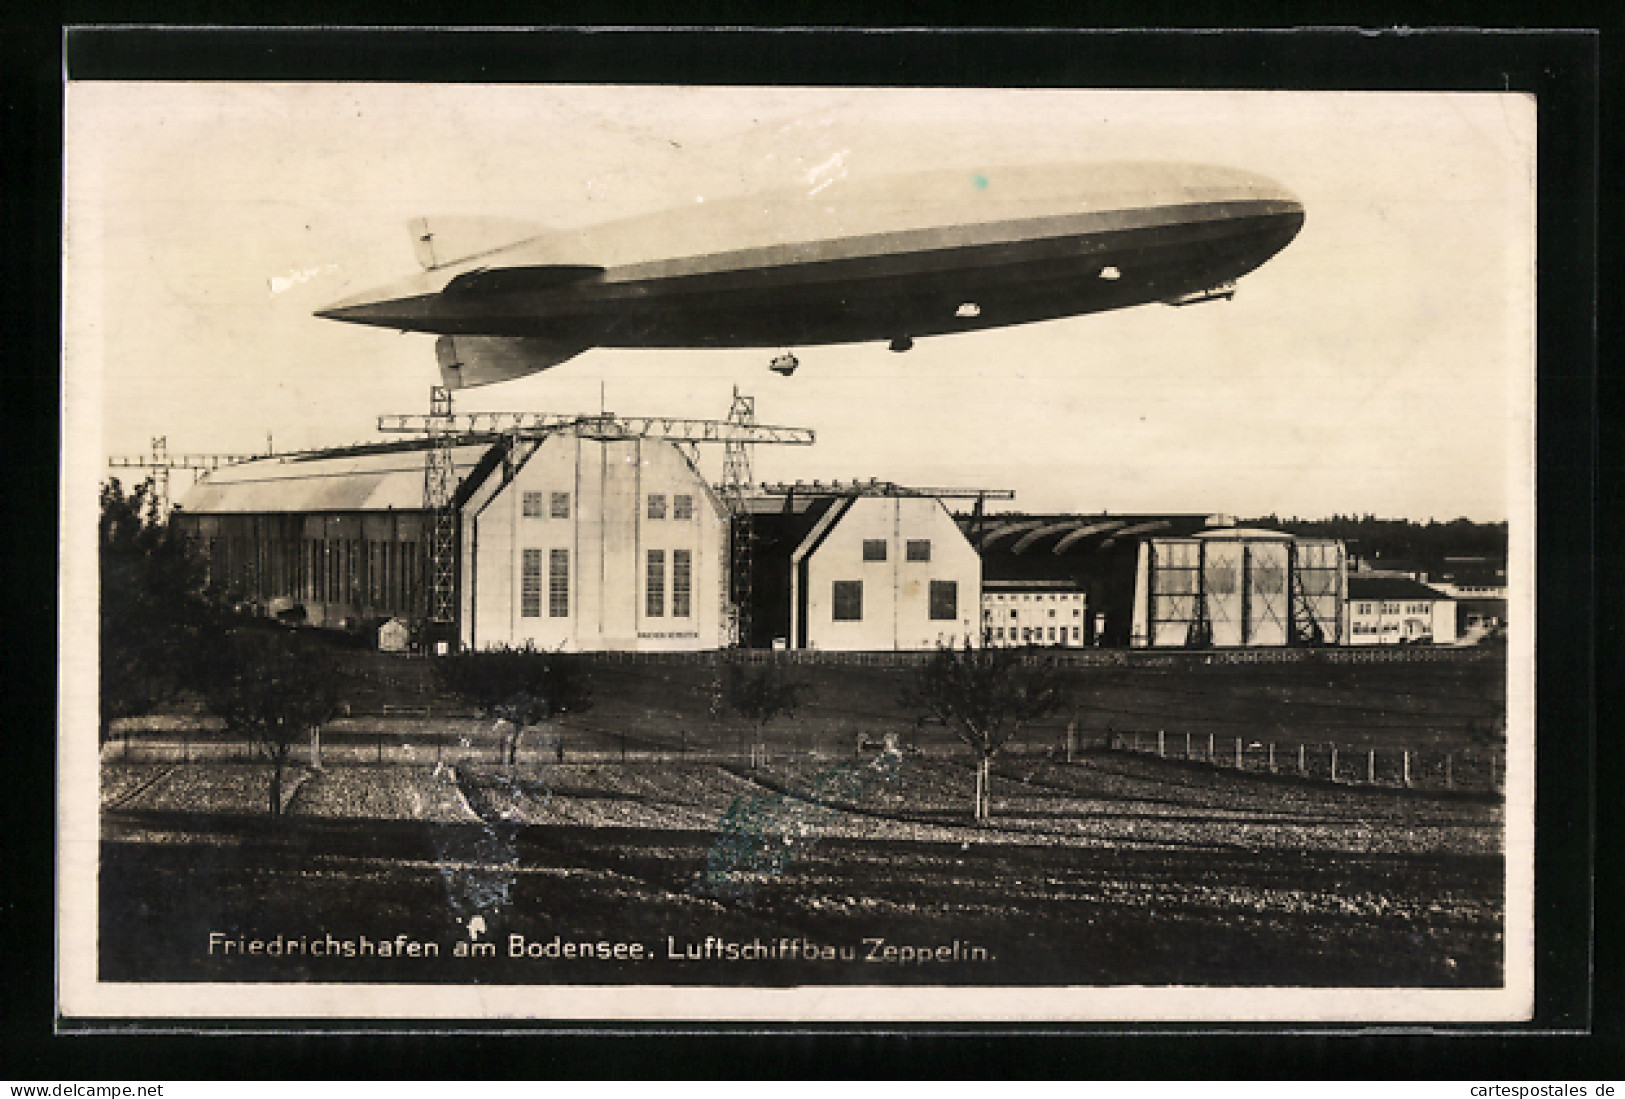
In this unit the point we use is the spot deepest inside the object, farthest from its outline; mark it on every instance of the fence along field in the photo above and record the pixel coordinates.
(1116, 867)
(1431, 723)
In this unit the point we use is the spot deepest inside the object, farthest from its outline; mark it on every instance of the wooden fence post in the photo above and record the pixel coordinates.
(1210, 747)
(1449, 770)
(1187, 744)
(1334, 763)
(1238, 753)
(1160, 746)
(1302, 768)
(1371, 766)
(1407, 766)
(1272, 757)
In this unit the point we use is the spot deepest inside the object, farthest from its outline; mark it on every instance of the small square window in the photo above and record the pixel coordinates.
(682, 507)
(919, 549)
(874, 549)
(561, 505)
(657, 505)
(535, 505)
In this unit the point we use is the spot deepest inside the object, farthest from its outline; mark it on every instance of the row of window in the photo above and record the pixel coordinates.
(916, 549)
(556, 505)
(846, 600)
(1394, 608)
(1037, 633)
(1077, 612)
(1040, 597)
(378, 575)
(558, 584)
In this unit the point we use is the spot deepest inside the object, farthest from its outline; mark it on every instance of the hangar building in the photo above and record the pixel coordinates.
(1157, 581)
(568, 541)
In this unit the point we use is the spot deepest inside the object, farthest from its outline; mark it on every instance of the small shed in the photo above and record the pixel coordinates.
(394, 636)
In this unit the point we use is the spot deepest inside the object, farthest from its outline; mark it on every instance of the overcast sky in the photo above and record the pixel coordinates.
(1382, 363)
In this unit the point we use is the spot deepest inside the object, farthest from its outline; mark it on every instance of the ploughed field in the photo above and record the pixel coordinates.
(1117, 868)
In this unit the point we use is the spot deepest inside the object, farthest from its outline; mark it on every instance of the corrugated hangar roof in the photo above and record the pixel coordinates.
(362, 479)
(1054, 547)
(1390, 587)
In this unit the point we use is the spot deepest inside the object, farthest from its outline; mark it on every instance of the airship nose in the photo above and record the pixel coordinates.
(409, 299)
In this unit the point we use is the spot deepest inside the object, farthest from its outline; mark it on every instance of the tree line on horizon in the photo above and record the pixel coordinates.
(1424, 546)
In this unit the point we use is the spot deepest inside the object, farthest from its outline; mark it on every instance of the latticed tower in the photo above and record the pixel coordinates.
(736, 482)
(439, 486)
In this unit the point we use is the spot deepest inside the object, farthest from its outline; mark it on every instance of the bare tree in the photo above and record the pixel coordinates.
(758, 693)
(985, 695)
(273, 690)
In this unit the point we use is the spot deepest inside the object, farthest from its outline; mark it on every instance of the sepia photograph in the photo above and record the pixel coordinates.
(841, 554)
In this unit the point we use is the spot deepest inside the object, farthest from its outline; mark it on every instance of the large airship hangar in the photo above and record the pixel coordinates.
(600, 533)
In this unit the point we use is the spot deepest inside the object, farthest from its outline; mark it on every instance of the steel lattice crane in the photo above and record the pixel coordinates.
(161, 462)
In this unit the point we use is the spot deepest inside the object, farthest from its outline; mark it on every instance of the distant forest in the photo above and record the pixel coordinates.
(1401, 541)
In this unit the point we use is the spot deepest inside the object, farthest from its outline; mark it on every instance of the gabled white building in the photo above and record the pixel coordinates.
(594, 544)
(884, 572)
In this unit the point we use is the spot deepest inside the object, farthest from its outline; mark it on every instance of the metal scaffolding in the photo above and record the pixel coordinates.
(161, 462)
(883, 488)
(739, 562)
(480, 426)
(439, 491)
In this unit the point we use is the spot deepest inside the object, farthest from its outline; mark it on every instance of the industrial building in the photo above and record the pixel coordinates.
(870, 566)
(575, 540)
(1392, 610)
(1156, 581)
(1033, 612)
(600, 534)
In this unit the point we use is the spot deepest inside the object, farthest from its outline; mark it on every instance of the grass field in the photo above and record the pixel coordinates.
(657, 832)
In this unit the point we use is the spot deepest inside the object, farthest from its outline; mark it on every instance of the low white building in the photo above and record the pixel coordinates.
(1033, 612)
(883, 572)
(1386, 610)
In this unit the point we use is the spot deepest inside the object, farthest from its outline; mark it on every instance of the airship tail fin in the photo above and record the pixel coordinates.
(438, 241)
(469, 361)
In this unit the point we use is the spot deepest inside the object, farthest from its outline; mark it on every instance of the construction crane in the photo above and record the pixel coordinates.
(882, 488)
(739, 564)
(444, 429)
(161, 462)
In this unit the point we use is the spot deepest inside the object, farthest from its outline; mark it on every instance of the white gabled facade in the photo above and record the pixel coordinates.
(595, 544)
(885, 573)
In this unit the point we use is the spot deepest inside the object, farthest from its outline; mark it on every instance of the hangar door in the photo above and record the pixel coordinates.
(1268, 608)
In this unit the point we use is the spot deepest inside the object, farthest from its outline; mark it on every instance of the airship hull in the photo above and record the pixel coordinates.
(790, 286)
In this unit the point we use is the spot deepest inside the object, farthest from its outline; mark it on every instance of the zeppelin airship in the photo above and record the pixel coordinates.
(887, 259)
